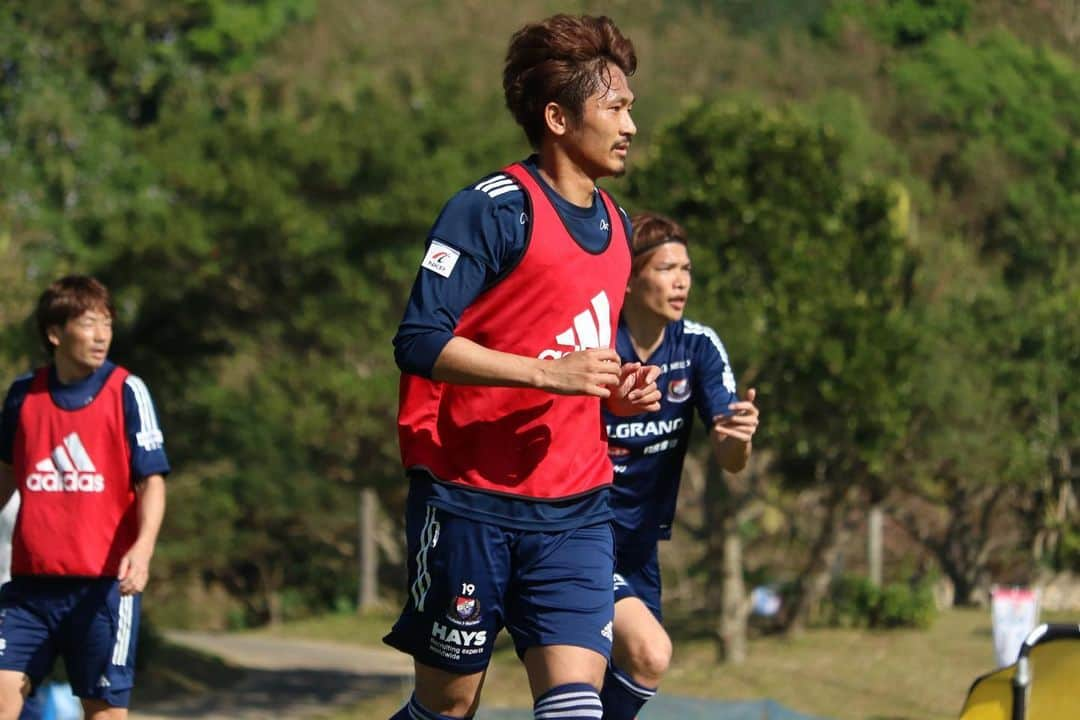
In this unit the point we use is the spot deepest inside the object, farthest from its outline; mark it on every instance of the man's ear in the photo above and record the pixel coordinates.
(556, 119)
(54, 332)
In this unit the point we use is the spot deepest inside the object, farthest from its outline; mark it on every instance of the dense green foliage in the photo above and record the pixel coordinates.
(883, 200)
(900, 22)
(856, 602)
(822, 313)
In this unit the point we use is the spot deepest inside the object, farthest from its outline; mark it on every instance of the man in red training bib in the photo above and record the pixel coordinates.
(506, 352)
(80, 442)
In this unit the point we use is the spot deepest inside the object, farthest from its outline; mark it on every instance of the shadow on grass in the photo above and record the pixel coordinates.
(277, 693)
(167, 671)
(181, 682)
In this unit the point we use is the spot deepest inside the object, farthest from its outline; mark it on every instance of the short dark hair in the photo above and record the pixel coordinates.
(68, 298)
(651, 230)
(562, 59)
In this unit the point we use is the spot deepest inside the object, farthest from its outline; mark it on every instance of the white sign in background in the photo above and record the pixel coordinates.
(1015, 613)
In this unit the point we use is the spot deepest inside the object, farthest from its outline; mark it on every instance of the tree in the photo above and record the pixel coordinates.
(801, 268)
(994, 123)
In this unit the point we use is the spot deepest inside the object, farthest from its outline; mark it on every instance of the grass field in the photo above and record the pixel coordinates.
(840, 674)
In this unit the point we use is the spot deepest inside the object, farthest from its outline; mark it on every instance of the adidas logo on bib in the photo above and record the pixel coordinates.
(67, 469)
(591, 329)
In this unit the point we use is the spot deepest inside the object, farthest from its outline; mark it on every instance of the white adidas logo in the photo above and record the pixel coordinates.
(68, 469)
(591, 329)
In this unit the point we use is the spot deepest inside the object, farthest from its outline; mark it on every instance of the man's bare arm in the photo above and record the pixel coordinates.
(732, 434)
(585, 372)
(135, 565)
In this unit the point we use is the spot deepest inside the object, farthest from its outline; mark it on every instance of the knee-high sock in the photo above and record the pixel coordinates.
(622, 697)
(413, 710)
(573, 701)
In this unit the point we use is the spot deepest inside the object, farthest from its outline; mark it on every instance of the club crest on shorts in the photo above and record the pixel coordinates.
(464, 610)
(678, 390)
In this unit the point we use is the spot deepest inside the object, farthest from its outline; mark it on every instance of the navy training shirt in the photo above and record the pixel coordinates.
(140, 418)
(487, 226)
(483, 230)
(648, 450)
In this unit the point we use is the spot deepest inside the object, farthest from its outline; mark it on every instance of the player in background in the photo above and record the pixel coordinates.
(33, 705)
(80, 441)
(506, 355)
(647, 451)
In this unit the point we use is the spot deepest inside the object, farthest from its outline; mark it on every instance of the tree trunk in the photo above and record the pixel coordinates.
(734, 604)
(963, 547)
(728, 501)
(714, 525)
(271, 579)
(814, 581)
(367, 595)
(874, 534)
(1055, 508)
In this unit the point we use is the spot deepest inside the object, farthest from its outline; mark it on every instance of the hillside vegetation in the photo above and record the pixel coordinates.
(884, 202)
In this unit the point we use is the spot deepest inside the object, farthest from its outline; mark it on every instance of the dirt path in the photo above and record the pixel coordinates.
(284, 678)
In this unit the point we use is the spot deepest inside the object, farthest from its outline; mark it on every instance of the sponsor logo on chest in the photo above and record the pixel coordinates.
(68, 468)
(591, 328)
(625, 431)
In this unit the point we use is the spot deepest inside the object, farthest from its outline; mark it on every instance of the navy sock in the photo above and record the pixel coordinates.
(413, 710)
(622, 697)
(573, 701)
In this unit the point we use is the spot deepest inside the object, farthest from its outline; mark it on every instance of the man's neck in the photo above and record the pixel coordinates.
(69, 373)
(646, 330)
(565, 176)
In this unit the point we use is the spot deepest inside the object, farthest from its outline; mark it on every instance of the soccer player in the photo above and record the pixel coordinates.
(33, 705)
(80, 441)
(647, 451)
(506, 354)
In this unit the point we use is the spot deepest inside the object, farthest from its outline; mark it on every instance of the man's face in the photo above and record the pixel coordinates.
(663, 284)
(601, 141)
(82, 343)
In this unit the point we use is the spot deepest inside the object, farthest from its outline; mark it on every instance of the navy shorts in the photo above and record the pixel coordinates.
(469, 579)
(637, 574)
(86, 621)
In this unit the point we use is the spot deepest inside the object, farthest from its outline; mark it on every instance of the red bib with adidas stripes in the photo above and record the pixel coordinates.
(73, 471)
(520, 441)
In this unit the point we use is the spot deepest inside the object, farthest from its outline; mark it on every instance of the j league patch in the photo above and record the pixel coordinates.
(440, 258)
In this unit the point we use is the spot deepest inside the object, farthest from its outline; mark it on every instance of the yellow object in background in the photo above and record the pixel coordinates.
(1054, 690)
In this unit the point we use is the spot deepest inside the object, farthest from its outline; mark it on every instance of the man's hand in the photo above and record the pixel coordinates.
(585, 372)
(134, 571)
(741, 423)
(636, 392)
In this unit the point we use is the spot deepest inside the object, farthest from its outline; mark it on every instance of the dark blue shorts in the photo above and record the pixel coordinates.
(637, 574)
(84, 620)
(469, 579)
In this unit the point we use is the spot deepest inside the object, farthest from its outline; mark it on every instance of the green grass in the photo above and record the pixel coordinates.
(365, 628)
(840, 674)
